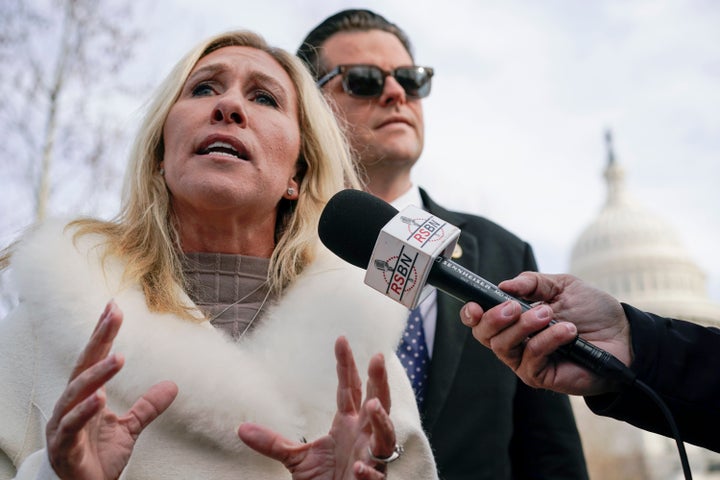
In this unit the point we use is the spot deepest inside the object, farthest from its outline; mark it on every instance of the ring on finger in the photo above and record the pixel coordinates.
(396, 453)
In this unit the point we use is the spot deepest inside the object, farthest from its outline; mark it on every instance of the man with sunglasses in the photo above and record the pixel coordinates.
(482, 421)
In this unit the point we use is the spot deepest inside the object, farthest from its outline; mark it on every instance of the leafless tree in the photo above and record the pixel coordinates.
(60, 84)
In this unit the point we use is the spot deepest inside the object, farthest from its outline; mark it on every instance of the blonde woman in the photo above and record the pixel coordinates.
(226, 310)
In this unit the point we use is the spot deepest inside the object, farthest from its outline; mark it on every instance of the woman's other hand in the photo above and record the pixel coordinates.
(359, 428)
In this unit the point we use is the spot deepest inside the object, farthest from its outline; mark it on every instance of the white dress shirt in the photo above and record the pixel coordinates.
(428, 307)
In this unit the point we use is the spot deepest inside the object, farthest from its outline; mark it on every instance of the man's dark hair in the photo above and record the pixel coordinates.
(352, 20)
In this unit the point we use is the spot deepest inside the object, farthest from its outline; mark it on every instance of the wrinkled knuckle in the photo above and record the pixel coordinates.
(532, 349)
(503, 350)
(534, 382)
(483, 339)
(529, 378)
(515, 367)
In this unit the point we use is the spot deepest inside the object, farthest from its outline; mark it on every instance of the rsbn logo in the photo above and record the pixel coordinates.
(399, 273)
(423, 230)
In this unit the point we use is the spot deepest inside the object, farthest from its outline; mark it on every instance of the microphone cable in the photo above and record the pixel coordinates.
(671, 424)
(604, 364)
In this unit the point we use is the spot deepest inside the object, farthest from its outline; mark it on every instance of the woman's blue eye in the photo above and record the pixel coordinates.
(201, 90)
(265, 98)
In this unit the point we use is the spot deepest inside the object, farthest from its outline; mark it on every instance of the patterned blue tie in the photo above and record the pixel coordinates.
(413, 354)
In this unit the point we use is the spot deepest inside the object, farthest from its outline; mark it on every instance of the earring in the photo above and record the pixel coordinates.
(291, 191)
(162, 172)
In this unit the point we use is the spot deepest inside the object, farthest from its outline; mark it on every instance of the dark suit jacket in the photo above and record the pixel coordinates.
(482, 421)
(680, 361)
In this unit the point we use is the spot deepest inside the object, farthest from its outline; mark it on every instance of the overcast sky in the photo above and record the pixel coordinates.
(522, 96)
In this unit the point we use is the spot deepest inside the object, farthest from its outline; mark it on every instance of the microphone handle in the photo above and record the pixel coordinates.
(466, 286)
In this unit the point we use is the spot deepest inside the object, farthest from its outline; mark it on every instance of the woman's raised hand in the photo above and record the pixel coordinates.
(359, 428)
(85, 439)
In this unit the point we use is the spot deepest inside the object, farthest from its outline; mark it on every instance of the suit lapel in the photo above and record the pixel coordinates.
(450, 333)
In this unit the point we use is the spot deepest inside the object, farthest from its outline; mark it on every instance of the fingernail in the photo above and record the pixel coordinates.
(508, 310)
(103, 322)
(106, 312)
(92, 399)
(543, 312)
(465, 315)
(109, 308)
(572, 328)
(109, 362)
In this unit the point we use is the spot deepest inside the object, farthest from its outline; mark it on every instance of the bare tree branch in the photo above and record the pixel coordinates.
(62, 61)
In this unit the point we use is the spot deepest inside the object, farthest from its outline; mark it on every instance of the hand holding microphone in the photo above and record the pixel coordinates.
(578, 309)
(350, 226)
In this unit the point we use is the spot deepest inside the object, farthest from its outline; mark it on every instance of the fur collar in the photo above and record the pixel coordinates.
(282, 376)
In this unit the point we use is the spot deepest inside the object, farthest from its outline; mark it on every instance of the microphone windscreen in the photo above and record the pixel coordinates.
(350, 224)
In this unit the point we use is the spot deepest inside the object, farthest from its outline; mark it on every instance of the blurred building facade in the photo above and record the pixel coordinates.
(637, 256)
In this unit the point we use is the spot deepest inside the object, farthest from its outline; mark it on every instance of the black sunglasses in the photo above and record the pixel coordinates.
(368, 81)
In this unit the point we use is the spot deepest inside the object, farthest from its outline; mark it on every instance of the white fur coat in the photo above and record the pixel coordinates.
(282, 376)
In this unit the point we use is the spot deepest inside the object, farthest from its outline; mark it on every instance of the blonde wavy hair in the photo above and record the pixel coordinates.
(144, 234)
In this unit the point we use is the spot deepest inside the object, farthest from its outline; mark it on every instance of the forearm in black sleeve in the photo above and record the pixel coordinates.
(680, 361)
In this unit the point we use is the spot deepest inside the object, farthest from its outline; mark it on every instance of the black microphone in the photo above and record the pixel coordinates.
(349, 226)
